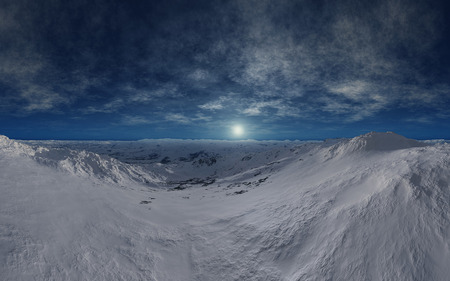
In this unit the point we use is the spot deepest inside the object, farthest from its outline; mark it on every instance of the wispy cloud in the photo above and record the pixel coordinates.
(178, 118)
(220, 103)
(129, 96)
(41, 99)
(356, 99)
(183, 119)
(201, 75)
(420, 119)
(143, 95)
(352, 90)
(109, 107)
(275, 108)
(136, 120)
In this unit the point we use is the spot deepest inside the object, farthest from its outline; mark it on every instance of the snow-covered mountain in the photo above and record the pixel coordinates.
(183, 162)
(86, 164)
(375, 207)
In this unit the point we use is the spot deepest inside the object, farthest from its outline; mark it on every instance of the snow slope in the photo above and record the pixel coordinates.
(100, 168)
(375, 207)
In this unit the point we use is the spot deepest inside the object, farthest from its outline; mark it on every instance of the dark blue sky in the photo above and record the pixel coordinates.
(311, 69)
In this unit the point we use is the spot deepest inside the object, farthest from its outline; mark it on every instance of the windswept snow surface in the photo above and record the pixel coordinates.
(375, 207)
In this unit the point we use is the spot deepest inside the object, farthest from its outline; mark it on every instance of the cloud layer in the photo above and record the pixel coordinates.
(198, 63)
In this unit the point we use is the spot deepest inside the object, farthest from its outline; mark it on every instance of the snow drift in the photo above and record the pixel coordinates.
(375, 207)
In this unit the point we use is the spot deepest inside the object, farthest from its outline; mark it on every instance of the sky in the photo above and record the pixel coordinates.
(306, 69)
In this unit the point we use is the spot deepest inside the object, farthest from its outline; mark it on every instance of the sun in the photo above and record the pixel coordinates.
(238, 130)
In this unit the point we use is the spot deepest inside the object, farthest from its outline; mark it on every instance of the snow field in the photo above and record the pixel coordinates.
(375, 207)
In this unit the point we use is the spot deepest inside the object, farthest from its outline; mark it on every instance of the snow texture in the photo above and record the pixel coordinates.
(375, 207)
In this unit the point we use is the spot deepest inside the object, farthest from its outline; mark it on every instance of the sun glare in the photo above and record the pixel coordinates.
(238, 130)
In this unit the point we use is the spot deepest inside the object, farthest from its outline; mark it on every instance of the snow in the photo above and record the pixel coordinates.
(375, 207)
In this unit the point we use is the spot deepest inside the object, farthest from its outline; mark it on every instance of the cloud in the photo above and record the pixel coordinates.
(183, 119)
(28, 72)
(353, 90)
(32, 98)
(178, 118)
(129, 96)
(280, 107)
(356, 99)
(145, 95)
(268, 59)
(348, 60)
(426, 96)
(41, 99)
(366, 57)
(421, 120)
(20, 65)
(221, 103)
(136, 120)
(200, 75)
(109, 107)
(234, 103)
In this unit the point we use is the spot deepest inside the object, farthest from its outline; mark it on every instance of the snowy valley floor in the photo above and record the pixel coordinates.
(375, 207)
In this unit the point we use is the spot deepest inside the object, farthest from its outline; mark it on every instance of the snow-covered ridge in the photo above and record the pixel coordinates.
(373, 142)
(83, 163)
(184, 163)
(14, 147)
(382, 141)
